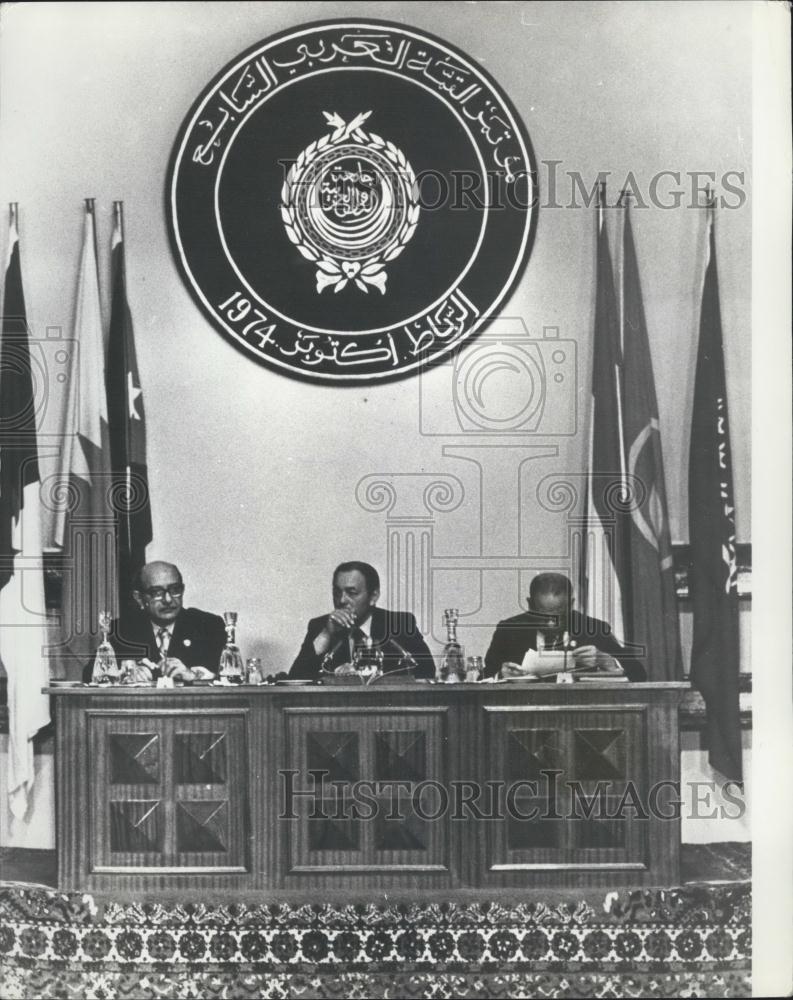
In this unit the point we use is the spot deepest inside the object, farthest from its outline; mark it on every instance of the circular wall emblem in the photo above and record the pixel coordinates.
(351, 200)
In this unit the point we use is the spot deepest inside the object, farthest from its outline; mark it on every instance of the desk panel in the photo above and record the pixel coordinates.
(349, 790)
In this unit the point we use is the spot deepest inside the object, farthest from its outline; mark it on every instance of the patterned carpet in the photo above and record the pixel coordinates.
(692, 941)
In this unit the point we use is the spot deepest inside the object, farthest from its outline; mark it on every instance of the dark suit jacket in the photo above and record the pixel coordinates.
(386, 625)
(515, 635)
(197, 640)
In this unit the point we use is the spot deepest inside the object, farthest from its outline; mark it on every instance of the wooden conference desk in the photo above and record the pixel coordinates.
(162, 792)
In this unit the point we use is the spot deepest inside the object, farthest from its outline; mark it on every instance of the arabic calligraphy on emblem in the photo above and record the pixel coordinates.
(349, 202)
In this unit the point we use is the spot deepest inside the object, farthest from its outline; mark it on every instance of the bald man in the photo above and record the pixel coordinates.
(162, 632)
(549, 619)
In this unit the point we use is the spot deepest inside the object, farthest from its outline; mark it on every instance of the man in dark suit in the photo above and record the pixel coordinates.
(161, 633)
(552, 624)
(355, 621)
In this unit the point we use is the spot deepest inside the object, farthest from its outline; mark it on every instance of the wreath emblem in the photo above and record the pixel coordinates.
(350, 205)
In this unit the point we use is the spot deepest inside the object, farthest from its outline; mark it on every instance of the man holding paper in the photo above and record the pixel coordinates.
(551, 637)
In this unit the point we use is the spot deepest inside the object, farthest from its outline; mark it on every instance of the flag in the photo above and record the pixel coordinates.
(713, 584)
(85, 527)
(23, 637)
(653, 621)
(127, 427)
(605, 576)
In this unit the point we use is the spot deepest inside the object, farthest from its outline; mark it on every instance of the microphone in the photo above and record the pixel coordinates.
(326, 659)
(403, 653)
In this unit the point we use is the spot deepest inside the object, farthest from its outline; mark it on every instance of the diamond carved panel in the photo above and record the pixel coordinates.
(200, 759)
(332, 827)
(136, 825)
(529, 752)
(601, 832)
(202, 825)
(398, 828)
(400, 755)
(134, 758)
(531, 824)
(334, 753)
(599, 754)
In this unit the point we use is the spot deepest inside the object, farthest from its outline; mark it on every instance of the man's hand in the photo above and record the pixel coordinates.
(510, 669)
(173, 667)
(139, 673)
(590, 658)
(339, 620)
(344, 669)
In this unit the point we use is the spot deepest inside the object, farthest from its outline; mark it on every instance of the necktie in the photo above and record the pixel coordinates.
(357, 638)
(162, 641)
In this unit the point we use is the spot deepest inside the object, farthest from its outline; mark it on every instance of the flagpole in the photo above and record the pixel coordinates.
(118, 215)
(601, 204)
(118, 241)
(89, 207)
(118, 218)
(618, 375)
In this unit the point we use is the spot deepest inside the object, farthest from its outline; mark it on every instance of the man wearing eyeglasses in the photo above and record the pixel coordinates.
(551, 625)
(163, 636)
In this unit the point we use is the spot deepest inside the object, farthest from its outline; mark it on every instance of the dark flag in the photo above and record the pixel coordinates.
(126, 423)
(19, 466)
(653, 621)
(605, 577)
(23, 636)
(713, 573)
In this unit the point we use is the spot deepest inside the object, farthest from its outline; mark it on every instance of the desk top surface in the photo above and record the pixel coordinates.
(77, 690)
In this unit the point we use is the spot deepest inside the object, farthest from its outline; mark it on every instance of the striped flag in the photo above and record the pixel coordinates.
(653, 622)
(23, 638)
(713, 577)
(86, 528)
(127, 422)
(605, 569)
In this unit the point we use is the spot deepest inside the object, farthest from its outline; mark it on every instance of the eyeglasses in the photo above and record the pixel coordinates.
(158, 593)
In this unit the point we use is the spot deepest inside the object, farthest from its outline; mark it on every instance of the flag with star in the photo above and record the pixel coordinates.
(126, 421)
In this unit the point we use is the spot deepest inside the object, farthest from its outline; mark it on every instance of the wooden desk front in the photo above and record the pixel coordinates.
(439, 787)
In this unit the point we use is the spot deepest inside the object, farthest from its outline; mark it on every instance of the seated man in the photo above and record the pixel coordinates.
(590, 642)
(330, 639)
(161, 634)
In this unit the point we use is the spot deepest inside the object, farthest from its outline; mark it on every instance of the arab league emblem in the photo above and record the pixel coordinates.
(351, 201)
(350, 204)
